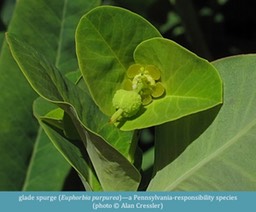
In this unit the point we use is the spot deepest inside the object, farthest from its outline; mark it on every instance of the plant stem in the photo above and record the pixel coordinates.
(116, 116)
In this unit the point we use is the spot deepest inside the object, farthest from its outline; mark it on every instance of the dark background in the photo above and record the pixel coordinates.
(212, 29)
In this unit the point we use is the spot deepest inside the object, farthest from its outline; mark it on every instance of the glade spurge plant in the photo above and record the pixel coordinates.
(132, 77)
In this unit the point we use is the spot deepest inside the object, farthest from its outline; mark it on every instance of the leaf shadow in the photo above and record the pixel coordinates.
(174, 137)
(139, 113)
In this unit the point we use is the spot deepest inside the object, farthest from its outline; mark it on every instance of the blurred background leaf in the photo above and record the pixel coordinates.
(50, 27)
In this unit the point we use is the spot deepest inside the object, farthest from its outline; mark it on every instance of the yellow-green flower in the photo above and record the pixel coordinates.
(143, 84)
(145, 80)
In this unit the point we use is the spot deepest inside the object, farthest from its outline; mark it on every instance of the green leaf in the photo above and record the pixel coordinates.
(105, 39)
(191, 83)
(114, 171)
(48, 115)
(44, 167)
(49, 26)
(223, 157)
(178, 134)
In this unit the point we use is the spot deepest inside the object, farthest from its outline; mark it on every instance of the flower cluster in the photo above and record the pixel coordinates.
(145, 81)
(141, 87)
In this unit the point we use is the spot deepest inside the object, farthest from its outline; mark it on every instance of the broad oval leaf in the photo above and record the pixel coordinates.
(191, 83)
(105, 40)
(223, 157)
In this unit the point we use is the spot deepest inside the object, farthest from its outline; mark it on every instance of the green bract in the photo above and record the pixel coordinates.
(189, 83)
(105, 50)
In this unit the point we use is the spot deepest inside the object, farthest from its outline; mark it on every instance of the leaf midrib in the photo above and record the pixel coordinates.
(106, 43)
(60, 40)
(203, 99)
(31, 163)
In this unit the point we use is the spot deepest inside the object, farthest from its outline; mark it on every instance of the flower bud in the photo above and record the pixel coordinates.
(127, 104)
